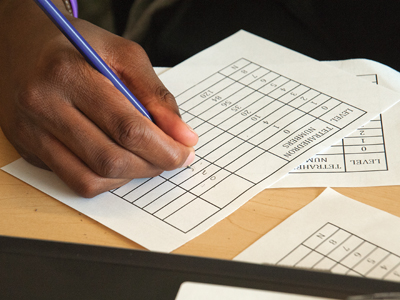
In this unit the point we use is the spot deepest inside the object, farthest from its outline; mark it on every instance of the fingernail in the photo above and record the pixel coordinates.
(189, 160)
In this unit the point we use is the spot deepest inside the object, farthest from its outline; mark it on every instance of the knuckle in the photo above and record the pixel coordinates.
(59, 67)
(31, 158)
(110, 164)
(165, 98)
(137, 50)
(132, 133)
(88, 187)
(111, 51)
(164, 95)
(27, 140)
(59, 57)
(30, 99)
(36, 96)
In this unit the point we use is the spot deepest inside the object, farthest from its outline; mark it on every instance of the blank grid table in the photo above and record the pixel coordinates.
(251, 122)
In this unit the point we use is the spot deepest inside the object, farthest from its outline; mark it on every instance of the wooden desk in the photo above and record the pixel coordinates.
(27, 212)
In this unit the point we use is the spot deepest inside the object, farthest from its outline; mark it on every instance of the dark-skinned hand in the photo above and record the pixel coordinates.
(62, 115)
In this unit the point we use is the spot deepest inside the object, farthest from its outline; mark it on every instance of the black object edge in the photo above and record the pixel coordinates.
(37, 269)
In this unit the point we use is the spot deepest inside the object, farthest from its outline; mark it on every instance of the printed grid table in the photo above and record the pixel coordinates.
(248, 118)
(362, 151)
(335, 249)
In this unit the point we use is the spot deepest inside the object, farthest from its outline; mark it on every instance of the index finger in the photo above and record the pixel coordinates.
(139, 76)
(115, 115)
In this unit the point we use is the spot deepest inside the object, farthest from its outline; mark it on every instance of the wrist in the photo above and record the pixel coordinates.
(24, 30)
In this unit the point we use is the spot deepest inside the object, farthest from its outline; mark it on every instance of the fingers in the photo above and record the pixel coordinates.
(137, 73)
(73, 171)
(83, 137)
(95, 148)
(171, 123)
(117, 117)
(51, 154)
(105, 131)
(167, 145)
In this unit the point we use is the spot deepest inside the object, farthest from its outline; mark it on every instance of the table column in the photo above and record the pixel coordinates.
(364, 150)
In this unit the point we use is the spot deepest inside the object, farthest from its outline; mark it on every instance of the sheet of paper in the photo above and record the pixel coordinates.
(368, 156)
(259, 109)
(333, 233)
(201, 291)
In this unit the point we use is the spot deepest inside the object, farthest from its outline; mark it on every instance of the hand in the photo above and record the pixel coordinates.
(61, 114)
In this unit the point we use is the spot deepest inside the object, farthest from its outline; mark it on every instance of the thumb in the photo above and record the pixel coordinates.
(136, 71)
(166, 115)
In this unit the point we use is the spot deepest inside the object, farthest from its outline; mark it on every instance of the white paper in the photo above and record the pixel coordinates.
(367, 157)
(201, 291)
(336, 234)
(248, 138)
